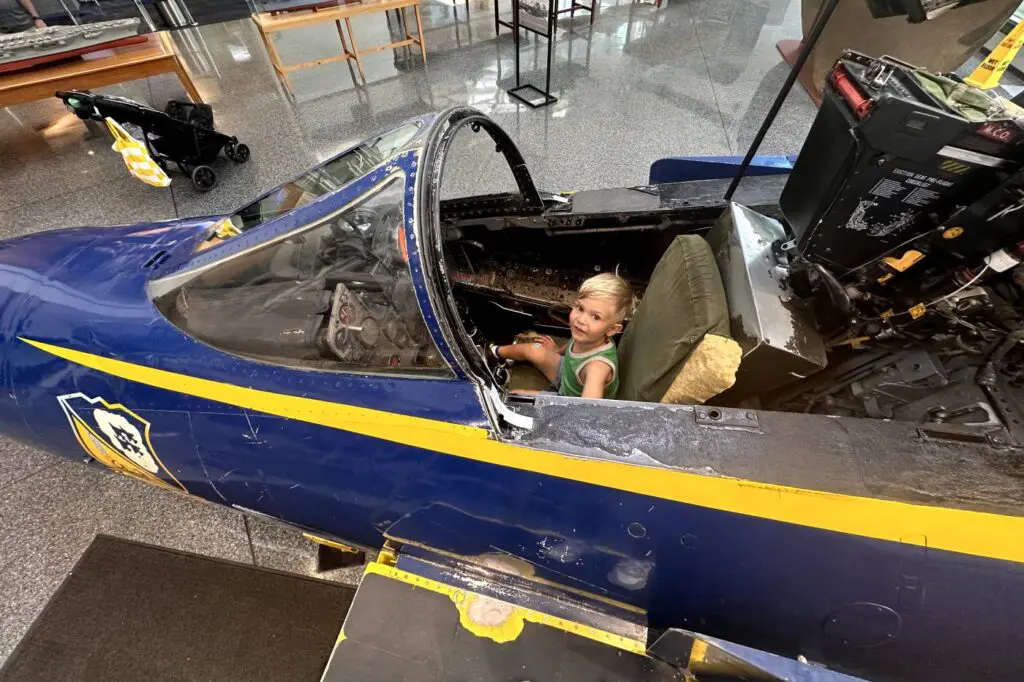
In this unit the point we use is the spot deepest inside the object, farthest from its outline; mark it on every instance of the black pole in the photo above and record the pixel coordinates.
(805, 50)
(515, 32)
(551, 41)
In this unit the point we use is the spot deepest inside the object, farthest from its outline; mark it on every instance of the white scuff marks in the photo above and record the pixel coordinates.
(560, 550)
(253, 437)
(636, 530)
(472, 583)
(489, 612)
(505, 562)
(631, 574)
(206, 473)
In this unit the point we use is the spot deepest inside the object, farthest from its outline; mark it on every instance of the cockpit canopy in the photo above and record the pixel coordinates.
(327, 178)
(326, 288)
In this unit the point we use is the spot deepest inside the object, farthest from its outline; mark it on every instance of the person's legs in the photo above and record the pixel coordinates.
(544, 359)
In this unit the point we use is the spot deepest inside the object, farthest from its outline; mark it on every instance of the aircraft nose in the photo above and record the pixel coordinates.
(81, 288)
(16, 289)
(28, 266)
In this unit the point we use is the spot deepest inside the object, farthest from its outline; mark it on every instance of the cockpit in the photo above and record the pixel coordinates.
(514, 259)
(342, 268)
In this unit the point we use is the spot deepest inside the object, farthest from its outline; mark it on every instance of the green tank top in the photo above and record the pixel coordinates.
(573, 363)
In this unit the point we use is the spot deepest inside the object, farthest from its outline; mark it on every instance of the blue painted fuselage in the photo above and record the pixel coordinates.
(884, 609)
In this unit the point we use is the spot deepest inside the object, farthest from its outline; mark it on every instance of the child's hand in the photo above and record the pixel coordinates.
(547, 342)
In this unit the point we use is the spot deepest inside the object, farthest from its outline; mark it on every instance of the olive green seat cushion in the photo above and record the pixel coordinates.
(683, 302)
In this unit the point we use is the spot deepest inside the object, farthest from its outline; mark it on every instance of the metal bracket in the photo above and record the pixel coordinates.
(725, 416)
(958, 433)
(783, 250)
(1008, 409)
(940, 414)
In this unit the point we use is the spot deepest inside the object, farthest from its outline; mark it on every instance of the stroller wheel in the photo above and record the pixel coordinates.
(204, 178)
(238, 152)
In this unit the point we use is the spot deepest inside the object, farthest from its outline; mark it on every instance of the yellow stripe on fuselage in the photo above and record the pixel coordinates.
(990, 535)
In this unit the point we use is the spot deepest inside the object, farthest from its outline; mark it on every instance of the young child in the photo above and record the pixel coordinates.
(588, 365)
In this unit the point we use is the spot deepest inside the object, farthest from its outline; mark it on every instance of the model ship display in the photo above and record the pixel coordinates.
(28, 49)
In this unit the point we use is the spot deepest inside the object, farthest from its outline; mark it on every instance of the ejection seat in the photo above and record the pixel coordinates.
(677, 346)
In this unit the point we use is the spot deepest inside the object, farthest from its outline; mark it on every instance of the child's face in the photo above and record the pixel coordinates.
(593, 320)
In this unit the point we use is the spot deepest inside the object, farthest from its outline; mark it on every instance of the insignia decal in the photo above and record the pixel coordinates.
(117, 437)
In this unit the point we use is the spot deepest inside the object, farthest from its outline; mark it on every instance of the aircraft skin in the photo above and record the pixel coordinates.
(884, 589)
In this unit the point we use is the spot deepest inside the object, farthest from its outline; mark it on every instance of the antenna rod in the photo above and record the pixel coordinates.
(805, 50)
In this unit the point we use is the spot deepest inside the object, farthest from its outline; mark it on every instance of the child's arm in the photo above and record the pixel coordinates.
(541, 357)
(596, 377)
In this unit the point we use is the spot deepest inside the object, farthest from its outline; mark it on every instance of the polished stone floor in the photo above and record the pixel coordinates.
(694, 77)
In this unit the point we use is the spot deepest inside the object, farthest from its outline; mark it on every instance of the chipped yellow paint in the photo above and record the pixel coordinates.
(506, 630)
(330, 543)
(512, 627)
(698, 653)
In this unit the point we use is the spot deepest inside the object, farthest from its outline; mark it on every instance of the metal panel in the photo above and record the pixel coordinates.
(779, 341)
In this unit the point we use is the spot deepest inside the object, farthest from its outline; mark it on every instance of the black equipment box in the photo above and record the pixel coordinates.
(887, 159)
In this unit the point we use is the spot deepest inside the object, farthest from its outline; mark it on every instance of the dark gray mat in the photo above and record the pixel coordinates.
(130, 611)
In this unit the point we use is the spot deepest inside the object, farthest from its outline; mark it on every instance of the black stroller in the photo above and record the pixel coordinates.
(183, 133)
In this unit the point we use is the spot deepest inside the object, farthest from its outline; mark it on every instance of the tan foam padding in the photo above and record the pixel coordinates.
(710, 369)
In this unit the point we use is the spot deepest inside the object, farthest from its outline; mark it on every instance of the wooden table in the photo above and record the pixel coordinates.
(269, 22)
(156, 55)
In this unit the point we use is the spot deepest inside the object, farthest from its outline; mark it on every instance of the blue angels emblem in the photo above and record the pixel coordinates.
(117, 437)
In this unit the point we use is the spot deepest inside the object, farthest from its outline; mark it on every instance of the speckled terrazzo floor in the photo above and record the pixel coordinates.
(694, 77)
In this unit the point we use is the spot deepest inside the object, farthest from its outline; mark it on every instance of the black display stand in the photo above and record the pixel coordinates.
(499, 22)
(543, 97)
(571, 10)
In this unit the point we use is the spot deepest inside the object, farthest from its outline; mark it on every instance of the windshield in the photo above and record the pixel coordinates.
(336, 295)
(324, 179)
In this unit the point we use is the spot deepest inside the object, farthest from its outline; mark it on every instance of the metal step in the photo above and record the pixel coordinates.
(441, 620)
(433, 618)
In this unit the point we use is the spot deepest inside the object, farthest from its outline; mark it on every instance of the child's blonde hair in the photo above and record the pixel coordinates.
(610, 286)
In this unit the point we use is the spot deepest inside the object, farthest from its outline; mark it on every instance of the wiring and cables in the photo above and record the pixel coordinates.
(918, 310)
(954, 293)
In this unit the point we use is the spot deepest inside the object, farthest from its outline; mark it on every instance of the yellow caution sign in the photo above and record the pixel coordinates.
(957, 167)
(904, 262)
(989, 72)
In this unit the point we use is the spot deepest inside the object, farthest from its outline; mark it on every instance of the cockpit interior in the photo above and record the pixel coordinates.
(769, 303)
